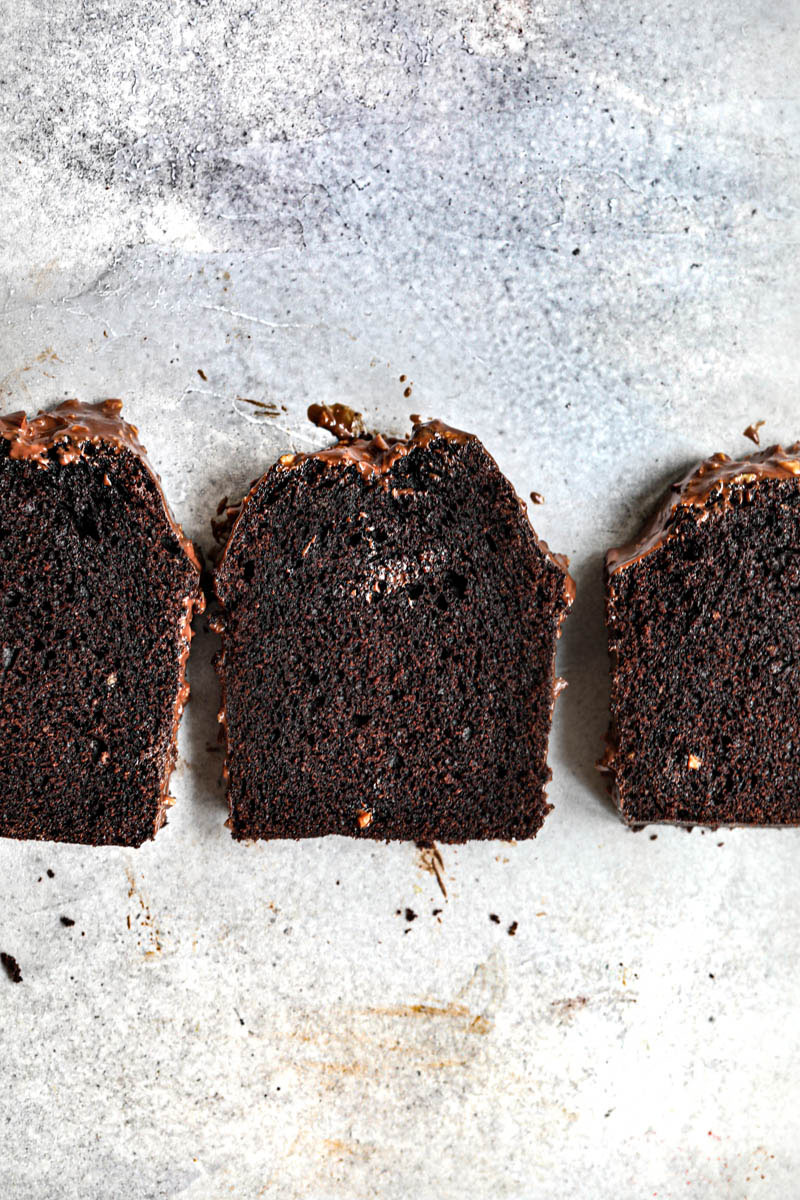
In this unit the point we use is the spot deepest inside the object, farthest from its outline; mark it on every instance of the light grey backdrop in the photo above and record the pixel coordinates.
(574, 227)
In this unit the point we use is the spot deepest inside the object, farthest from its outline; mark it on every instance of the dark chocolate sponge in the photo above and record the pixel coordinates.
(388, 646)
(703, 616)
(97, 590)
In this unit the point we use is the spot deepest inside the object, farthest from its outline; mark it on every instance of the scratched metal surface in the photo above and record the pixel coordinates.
(574, 227)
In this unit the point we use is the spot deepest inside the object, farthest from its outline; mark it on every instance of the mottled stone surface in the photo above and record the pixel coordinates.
(575, 228)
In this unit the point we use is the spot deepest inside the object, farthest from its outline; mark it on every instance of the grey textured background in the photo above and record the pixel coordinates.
(575, 228)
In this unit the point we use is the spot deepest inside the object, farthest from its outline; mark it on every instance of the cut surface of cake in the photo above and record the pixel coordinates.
(98, 586)
(389, 632)
(703, 613)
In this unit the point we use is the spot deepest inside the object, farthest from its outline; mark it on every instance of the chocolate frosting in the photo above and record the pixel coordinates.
(372, 456)
(68, 429)
(716, 478)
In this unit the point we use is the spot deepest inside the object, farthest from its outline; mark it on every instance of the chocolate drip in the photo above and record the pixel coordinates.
(714, 479)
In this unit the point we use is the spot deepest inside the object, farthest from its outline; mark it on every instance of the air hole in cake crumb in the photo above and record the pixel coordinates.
(415, 591)
(87, 527)
(248, 571)
(441, 602)
(360, 720)
(491, 543)
(354, 538)
(458, 583)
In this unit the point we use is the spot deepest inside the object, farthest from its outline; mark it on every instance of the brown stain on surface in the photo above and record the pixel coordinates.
(14, 381)
(150, 940)
(430, 859)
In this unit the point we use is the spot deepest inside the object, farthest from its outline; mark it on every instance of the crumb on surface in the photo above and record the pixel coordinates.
(494, 917)
(11, 967)
(67, 922)
(752, 432)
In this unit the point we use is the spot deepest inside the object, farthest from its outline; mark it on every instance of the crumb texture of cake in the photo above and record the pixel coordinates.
(98, 586)
(389, 632)
(703, 614)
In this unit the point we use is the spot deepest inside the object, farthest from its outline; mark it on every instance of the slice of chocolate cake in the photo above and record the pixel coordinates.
(703, 614)
(389, 633)
(97, 590)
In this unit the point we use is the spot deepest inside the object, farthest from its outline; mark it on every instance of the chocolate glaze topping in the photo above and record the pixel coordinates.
(713, 480)
(373, 457)
(68, 429)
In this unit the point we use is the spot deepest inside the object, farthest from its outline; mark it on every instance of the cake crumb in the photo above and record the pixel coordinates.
(537, 497)
(410, 915)
(50, 874)
(494, 917)
(67, 922)
(512, 929)
(11, 967)
(364, 818)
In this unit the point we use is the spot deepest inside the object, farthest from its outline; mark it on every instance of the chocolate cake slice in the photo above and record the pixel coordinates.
(703, 614)
(389, 633)
(97, 590)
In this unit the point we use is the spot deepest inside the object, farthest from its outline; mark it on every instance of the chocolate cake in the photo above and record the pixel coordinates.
(97, 590)
(703, 612)
(389, 632)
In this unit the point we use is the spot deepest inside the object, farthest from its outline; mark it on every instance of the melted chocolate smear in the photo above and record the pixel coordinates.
(343, 422)
(11, 967)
